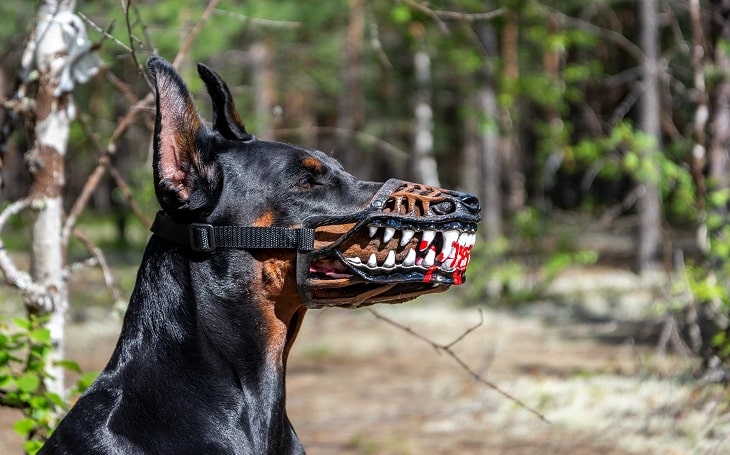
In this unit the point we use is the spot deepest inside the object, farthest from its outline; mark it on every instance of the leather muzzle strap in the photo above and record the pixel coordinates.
(207, 238)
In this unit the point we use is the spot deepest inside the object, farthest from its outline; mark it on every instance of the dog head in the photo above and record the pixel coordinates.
(372, 242)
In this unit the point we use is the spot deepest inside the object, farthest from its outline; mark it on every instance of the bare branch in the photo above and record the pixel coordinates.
(34, 294)
(258, 21)
(125, 7)
(190, 37)
(393, 151)
(467, 331)
(446, 348)
(100, 259)
(105, 33)
(128, 196)
(91, 183)
(439, 16)
(628, 202)
(609, 35)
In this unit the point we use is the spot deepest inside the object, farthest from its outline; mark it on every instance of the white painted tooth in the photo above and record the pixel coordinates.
(430, 258)
(448, 249)
(390, 260)
(410, 258)
(406, 236)
(450, 237)
(372, 261)
(355, 260)
(472, 239)
(388, 234)
(426, 240)
(372, 231)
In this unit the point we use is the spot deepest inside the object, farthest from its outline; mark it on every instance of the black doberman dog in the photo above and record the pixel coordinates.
(251, 234)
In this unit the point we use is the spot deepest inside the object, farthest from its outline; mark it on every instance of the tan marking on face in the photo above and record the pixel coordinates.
(265, 220)
(313, 163)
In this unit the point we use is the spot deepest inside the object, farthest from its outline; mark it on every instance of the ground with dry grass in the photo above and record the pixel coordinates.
(357, 385)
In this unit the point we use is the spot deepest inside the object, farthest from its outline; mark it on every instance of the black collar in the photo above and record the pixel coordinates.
(206, 238)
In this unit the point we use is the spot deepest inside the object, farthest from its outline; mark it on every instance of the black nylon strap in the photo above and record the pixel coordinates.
(206, 237)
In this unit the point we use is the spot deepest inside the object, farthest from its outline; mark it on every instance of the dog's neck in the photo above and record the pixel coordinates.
(228, 340)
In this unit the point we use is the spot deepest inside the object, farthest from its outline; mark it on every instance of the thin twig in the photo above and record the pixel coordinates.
(467, 331)
(190, 37)
(440, 15)
(446, 348)
(393, 151)
(258, 21)
(132, 51)
(128, 196)
(98, 255)
(105, 33)
(628, 202)
(80, 203)
(599, 32)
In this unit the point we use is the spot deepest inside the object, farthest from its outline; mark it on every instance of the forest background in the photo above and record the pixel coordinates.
(565, 117)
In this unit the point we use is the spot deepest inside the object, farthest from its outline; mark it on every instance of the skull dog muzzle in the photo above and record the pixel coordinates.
(410, 240)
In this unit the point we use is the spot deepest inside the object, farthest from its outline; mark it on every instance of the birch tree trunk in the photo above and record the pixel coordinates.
(701, 117)
(649, 204)
(424, 163)
(58, 53)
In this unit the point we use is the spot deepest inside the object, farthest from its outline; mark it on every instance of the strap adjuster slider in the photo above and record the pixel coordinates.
(202, 237)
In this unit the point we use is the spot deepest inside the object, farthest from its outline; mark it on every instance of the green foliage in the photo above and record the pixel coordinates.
(24, 348)
(631, 152)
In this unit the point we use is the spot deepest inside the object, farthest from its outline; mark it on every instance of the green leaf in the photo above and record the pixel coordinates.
(41, 335)
(28, 383)
(4, 358)
(69, 365)
(22, 323)
(24, 426)
(32, 447)
(401, 14)
(56, 399)
(6, 381)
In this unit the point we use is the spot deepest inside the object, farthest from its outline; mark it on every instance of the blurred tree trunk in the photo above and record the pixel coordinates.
(59, 52)
(699, 49)
(720, 144)
(649, 203)
(491, 164)
(350, 103)
(552, 62)
(424, 163)
(508, 149)
(264, 87)
(719, 150)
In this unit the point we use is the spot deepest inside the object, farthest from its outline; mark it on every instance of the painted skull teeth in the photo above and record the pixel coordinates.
(447, 250)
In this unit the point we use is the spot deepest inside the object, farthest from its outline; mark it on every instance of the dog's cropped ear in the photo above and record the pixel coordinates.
(183, 168)
(225, 117)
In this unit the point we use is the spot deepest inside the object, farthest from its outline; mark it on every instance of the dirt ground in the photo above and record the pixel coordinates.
(359, 386)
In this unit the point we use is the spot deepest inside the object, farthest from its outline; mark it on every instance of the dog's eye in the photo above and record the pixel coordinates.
(306, 183)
